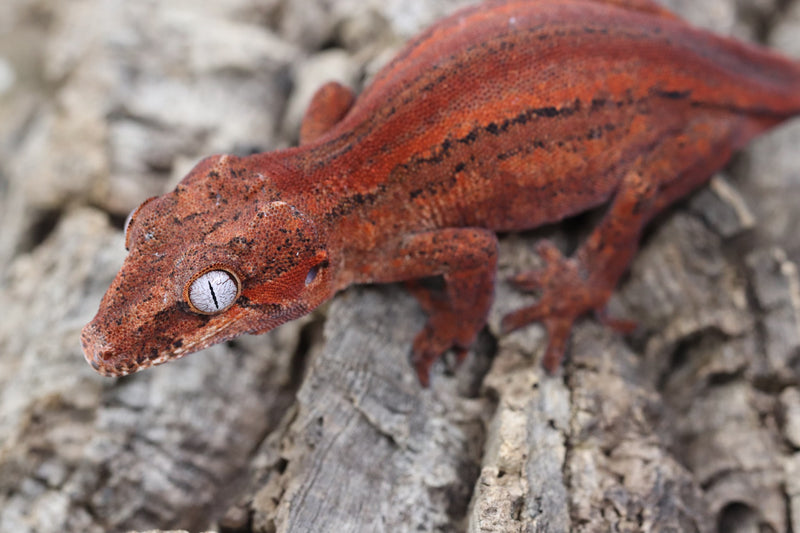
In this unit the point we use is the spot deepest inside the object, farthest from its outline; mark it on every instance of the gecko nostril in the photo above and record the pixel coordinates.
(105, 355)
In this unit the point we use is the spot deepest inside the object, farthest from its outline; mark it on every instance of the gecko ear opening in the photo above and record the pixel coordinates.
(313, 273)
(296, 258)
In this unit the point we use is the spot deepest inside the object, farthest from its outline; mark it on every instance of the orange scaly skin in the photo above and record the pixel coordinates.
(504, 116)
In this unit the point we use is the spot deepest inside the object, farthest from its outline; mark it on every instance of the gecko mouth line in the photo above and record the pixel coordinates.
(108, 362)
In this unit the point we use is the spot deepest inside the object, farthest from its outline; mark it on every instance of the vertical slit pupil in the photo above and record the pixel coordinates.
(213, 295)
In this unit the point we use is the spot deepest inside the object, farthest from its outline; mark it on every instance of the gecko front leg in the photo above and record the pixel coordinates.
(466, 258)
(327, 108)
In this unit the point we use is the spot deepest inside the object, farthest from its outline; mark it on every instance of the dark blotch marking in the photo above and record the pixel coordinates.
(594, 133)
(470, 138)
(548, 112)
(671, 95)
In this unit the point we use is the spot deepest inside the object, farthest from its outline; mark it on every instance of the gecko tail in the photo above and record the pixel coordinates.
(764, 83)
(769, 81)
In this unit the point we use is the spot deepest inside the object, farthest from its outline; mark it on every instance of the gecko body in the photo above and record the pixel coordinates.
(505, 116)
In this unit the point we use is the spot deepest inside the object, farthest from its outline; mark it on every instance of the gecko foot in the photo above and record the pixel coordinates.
(451, 325)
(428, 347)
(566, 291)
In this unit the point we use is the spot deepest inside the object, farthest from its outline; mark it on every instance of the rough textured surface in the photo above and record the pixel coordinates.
(690, 424)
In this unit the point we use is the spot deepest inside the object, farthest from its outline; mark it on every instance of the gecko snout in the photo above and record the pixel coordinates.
(102, 357)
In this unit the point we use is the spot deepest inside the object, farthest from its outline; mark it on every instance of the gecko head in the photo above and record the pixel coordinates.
(219, 256)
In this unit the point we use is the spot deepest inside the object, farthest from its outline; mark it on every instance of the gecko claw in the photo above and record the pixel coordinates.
(621, 325)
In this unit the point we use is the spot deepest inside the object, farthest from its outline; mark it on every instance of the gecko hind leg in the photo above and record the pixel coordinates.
(571, 287)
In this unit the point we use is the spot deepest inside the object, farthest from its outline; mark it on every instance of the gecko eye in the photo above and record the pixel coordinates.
(212, 292)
